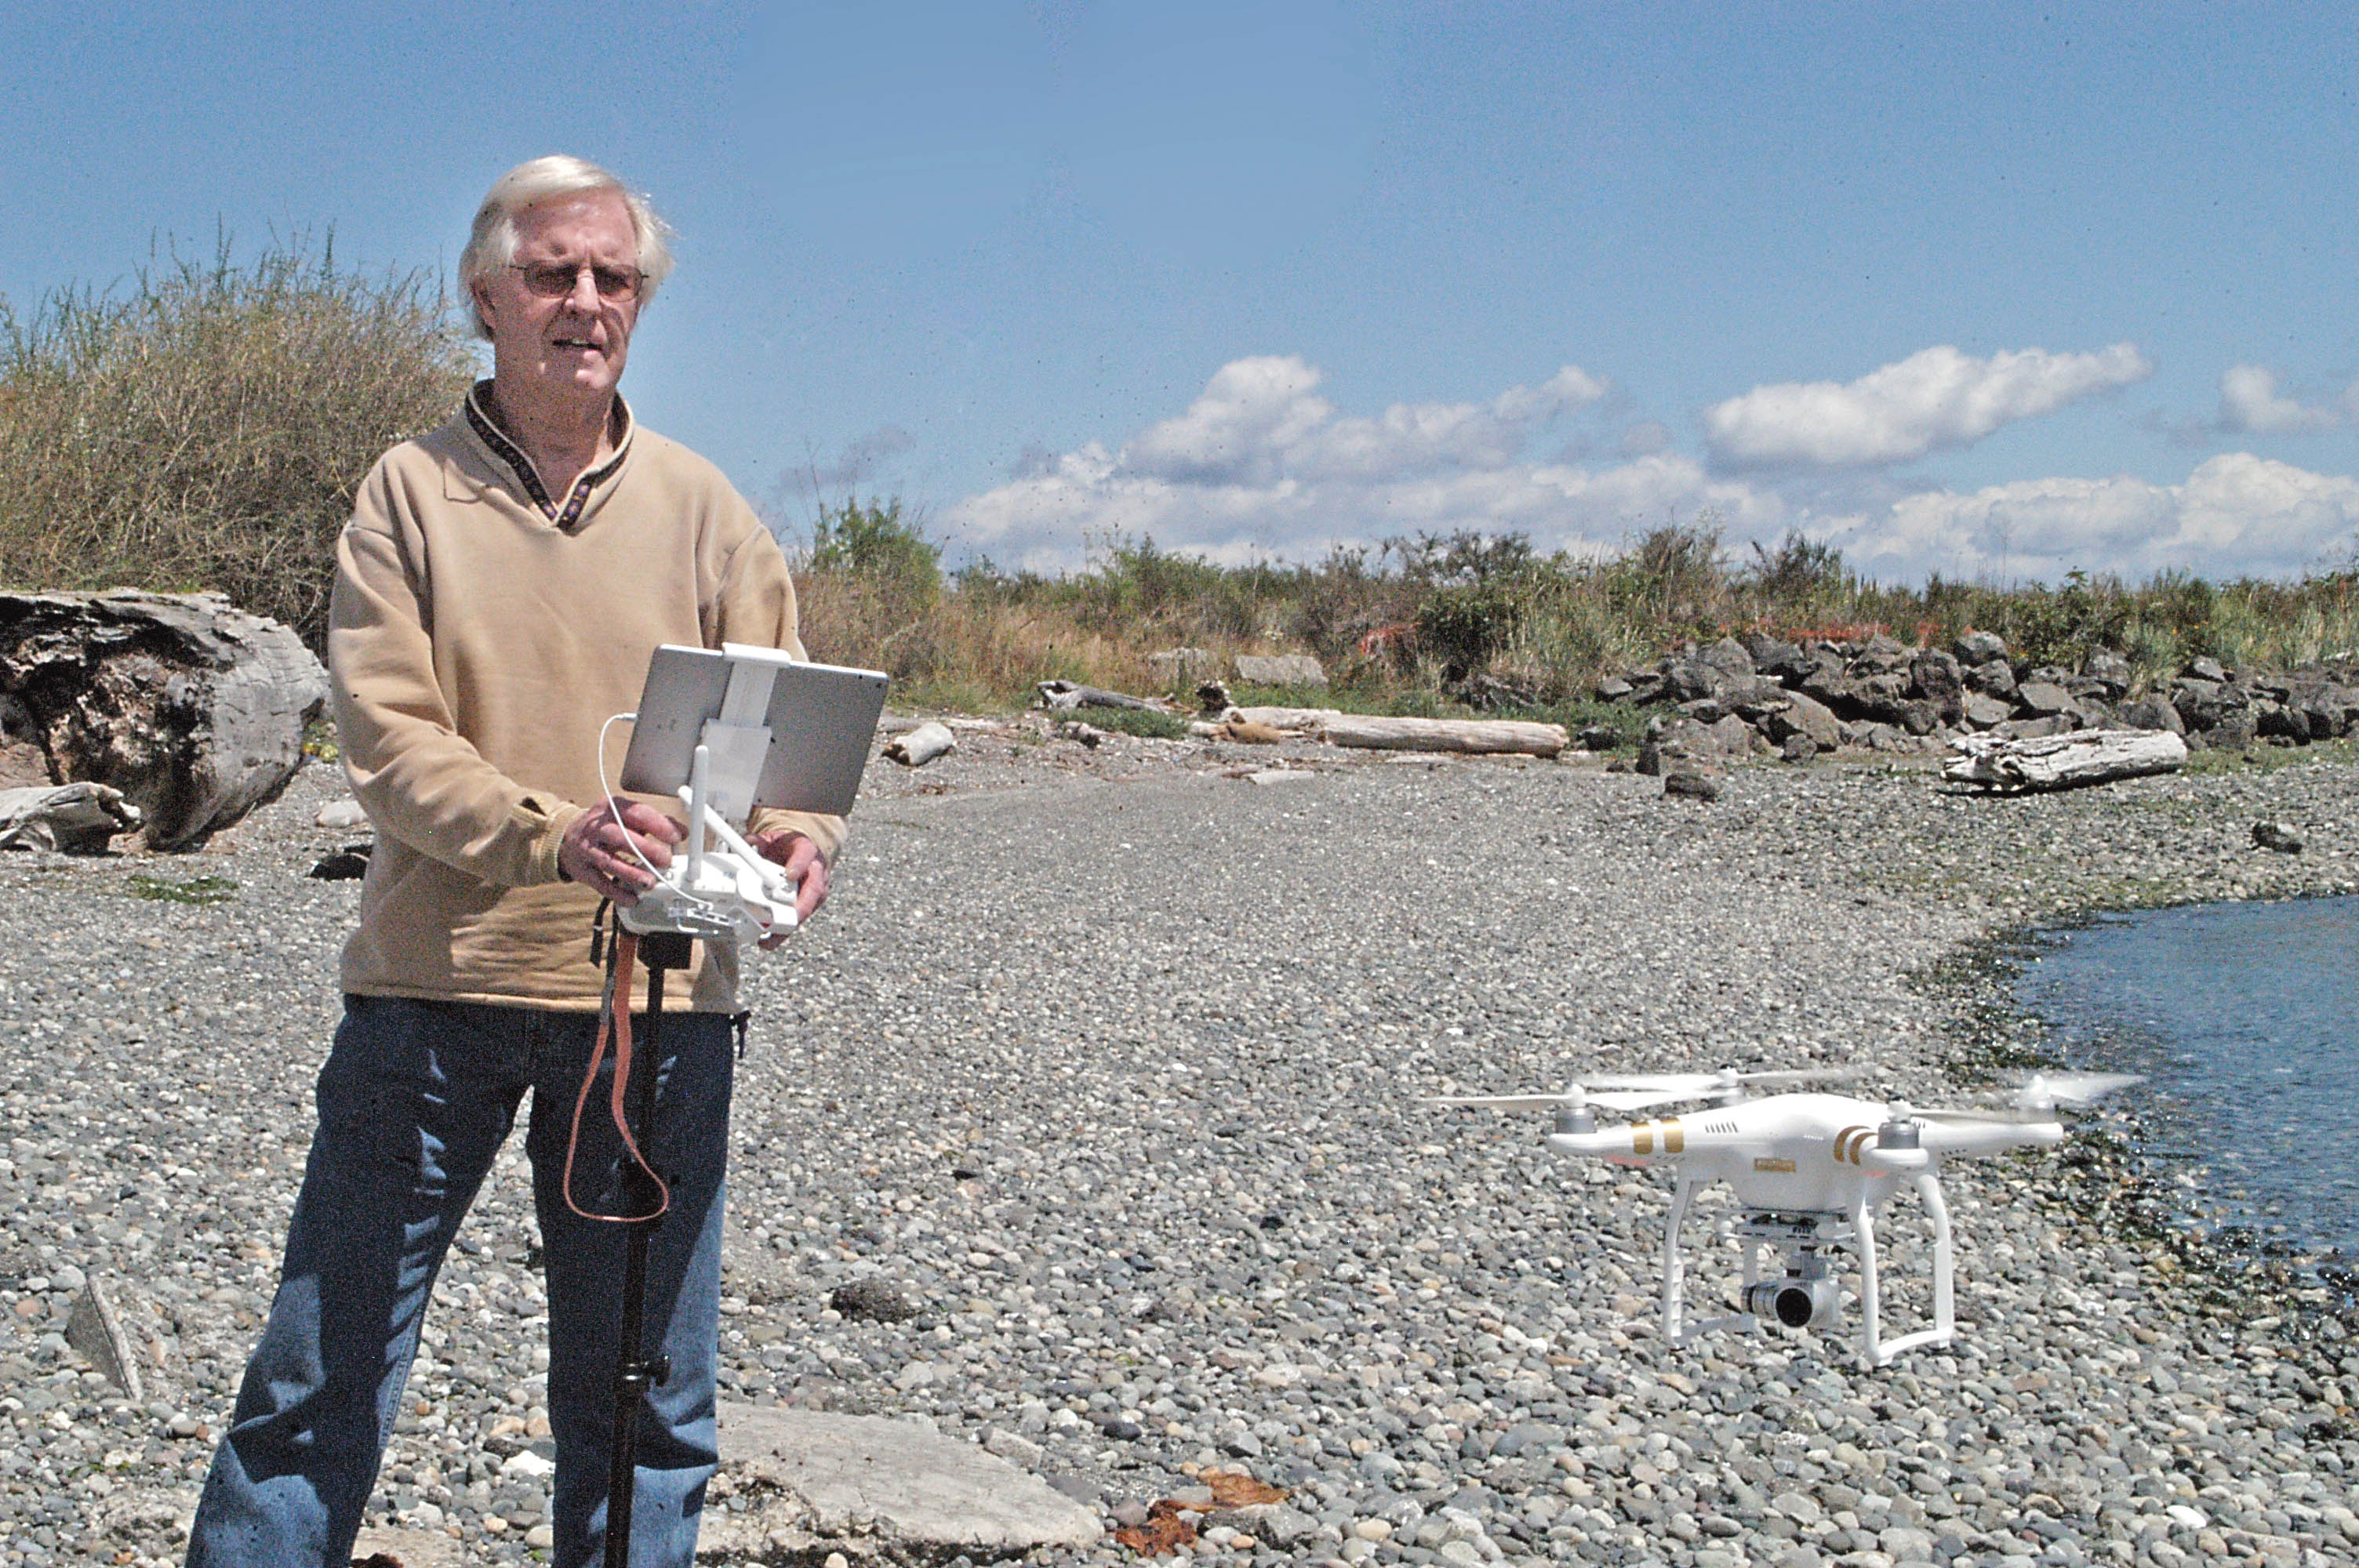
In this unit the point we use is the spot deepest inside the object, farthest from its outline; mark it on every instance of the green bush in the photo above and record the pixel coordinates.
(1143, 721)
(206, 426)
(881, 543)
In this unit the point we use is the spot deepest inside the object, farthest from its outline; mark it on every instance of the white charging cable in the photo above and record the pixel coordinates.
(614, 808)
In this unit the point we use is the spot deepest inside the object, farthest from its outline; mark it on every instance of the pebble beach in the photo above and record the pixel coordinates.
(1103, 1070)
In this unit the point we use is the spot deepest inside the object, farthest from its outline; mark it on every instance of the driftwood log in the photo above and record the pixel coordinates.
(916, 748)
(1064, 696)
(2015, 765)
(1283, 717)
(1475, 735)
(78, 819)
(194, 710)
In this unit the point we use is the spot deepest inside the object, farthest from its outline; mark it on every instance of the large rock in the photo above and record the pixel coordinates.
(1941, 682)
(1979, 647)
(2329, 709)
(1994, 677)
(874, 1488)
(1827, 681)
(1754, 696)
(2150, 712)
(1687, 680)
(1807, 718)
(2208, 705)
(194, 710)
(2041, 699)
(2108, 669)
(1279, 669)
(1880, 655)
(1982, 711)
(1775, 657)
(1729, 657)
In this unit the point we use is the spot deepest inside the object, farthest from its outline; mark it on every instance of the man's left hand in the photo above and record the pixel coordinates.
(801, 857)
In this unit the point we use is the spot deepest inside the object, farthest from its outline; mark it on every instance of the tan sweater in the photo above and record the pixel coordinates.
(475, 648)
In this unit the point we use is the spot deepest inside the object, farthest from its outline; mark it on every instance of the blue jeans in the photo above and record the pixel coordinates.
(415, 1101)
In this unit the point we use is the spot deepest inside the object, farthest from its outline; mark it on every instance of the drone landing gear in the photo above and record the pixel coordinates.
(1874, 1350)
(1805, 1296)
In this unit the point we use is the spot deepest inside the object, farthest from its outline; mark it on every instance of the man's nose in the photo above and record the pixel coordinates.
(583, 295)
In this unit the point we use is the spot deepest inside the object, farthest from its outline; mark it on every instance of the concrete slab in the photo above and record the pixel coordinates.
(874, 1488)
(410, 1548)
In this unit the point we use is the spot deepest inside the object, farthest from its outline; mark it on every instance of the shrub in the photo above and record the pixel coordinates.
(206, 428)
(880, 544)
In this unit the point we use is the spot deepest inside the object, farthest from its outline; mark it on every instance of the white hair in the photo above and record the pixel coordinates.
(492, 243)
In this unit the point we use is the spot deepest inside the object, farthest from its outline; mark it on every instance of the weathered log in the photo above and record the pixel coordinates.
(918, 747)
(1283, 717)
(2062, 761)
(1064, 696)
(194, 710)
(78, 819)
(1481, 735)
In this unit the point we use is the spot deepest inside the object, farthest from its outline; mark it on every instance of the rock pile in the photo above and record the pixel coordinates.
(1740, 696)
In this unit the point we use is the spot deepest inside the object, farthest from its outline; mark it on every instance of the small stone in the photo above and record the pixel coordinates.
(2278, 836)
(348, 864)
(871, 1300)
(1016, 1450)
(1691, 783)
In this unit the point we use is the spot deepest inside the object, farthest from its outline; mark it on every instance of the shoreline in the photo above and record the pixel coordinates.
(2240, 1281)
(1108, 1061)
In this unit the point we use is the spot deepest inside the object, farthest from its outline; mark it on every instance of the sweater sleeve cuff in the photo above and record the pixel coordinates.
(543, 867)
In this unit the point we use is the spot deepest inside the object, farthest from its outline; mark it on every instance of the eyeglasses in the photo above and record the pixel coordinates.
(555, 280)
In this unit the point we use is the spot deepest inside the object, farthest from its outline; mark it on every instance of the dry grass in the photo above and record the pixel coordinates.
(1403, 628)
(206, 426)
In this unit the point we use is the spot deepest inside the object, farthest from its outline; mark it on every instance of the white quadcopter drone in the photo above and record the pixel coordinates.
(1808, 1170)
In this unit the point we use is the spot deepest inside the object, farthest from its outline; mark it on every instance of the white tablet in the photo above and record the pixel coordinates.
(821, 719)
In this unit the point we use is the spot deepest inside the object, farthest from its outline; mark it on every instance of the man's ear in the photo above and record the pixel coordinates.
(482, 298)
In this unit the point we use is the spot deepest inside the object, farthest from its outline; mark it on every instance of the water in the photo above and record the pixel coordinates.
(2245, 1018)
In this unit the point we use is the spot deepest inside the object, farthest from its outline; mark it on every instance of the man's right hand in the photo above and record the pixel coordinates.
(598, 849)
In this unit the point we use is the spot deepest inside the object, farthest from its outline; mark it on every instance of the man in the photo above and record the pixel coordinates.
(499, 589)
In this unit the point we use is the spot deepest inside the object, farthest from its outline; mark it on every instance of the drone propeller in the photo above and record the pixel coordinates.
(1726, 1086)
(2037, 1099)
(1575, 1099)
(2045, 1091)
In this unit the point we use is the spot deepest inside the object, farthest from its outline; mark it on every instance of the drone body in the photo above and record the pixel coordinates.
(1808, 1170)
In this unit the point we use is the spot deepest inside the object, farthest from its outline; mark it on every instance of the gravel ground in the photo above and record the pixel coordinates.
(1108, 1063)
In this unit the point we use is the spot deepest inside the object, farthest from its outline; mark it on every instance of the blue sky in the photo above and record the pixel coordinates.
(1992, 291)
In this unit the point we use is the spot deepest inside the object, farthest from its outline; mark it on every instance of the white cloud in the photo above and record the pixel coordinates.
(1260, 464)
(2250, 405)
(1260, 418)
(2235, 516)
(1935, 398)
